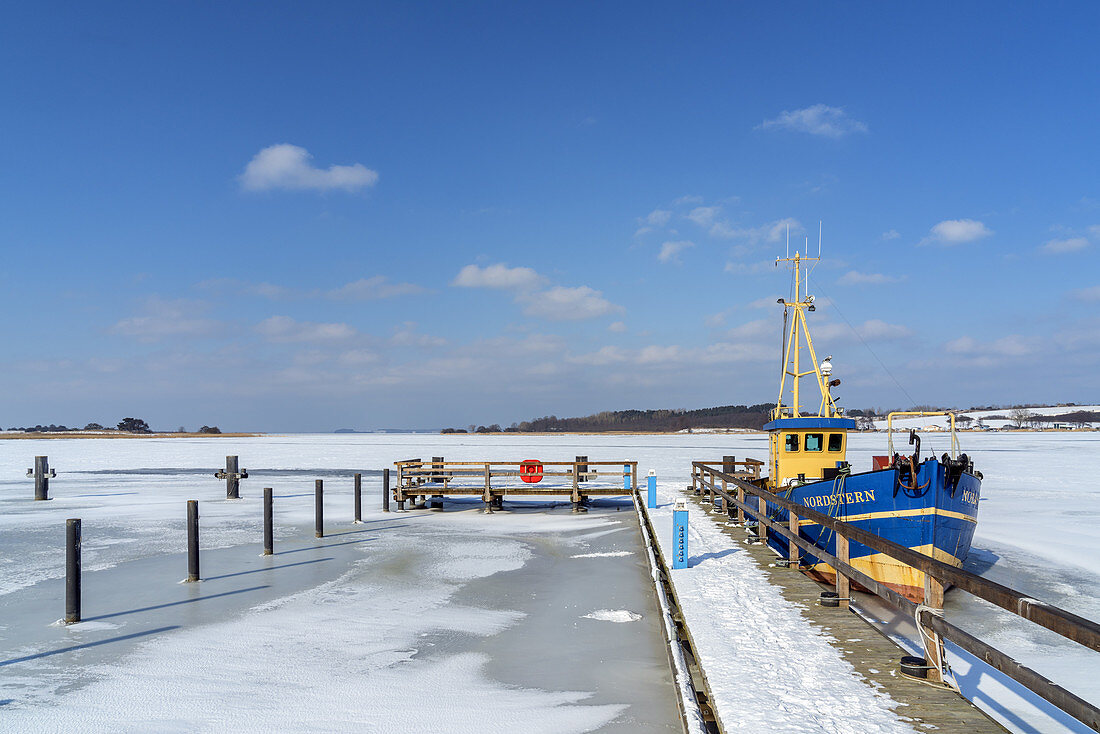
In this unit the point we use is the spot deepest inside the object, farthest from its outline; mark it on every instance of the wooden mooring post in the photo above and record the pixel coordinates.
(933, 645)
(385, 490)
(269, 530)
(232, 474)
(192, 541)
(72, 571)
(437, 478)
(319, 509)
(358, 498)
(42, 474)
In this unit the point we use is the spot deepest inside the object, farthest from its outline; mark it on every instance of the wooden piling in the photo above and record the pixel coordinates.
(488, 496)
(269, 530)
(385, 490)
(582, 468)
(42, 476)
(843, 586)
(358, 498)
(192, 540)
(319, 509)
(232, 478)
(761, 528)
(933, 597)
(72, 571)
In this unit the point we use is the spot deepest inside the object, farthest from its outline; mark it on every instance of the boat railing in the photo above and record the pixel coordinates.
(748, 499)
(955, 450)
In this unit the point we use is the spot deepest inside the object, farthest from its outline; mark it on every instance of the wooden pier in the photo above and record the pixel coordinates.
(580, 479)
(874, 655)
(746, 503)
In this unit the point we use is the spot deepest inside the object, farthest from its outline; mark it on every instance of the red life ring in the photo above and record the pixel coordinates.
(530, 471)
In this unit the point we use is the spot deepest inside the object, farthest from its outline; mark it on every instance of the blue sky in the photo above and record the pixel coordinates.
(268, 216)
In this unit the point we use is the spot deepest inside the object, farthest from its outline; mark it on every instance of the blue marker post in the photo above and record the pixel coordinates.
(652, 480)
(679, 535)
(626, 476)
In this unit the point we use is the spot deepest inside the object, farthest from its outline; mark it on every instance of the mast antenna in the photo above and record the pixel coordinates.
(788, 240)
(819, 238)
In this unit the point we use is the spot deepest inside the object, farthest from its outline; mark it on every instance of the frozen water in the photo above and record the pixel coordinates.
(479, 588)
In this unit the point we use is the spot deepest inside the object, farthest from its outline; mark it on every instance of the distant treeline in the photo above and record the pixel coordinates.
(126, 425)
(724, 416)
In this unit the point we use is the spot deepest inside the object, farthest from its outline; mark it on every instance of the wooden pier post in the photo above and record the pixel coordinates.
(358, 498)
(72, 571)
(437, 478)
(740, 509)
(488, 496)
(792, 549)
(843, 586)
(933, 597)
(42, 474)
(761, 528)
(192, 541)
(582, 468)
(269, 531)
(729, 464)
(232, 474)
(319, 508)
(385, 490)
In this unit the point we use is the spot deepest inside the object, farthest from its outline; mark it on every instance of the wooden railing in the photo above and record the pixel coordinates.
(716, 483)
(583, 478)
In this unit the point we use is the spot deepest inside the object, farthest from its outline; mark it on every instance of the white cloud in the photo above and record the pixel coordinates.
(775, 231)
(658, 217)
(818, 119)
(616, 327)
(364, 289)
(1088, 294)
(289, 167)
(163, 319)
(704, 215)
(891, 234)
(716, 320)
(670, 251)
(496, 276)
(1012, 345)
(373, 288)
(358, 358)
(1094, 230)
(286, 329)
(854, 277)
(406, 335)
(956, 232)
(568, 304)
(1072, 244)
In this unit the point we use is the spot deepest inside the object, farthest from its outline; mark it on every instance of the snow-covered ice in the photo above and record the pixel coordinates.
(326, 623)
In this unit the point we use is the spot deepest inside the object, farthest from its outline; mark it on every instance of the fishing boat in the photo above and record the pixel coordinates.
(926, 503)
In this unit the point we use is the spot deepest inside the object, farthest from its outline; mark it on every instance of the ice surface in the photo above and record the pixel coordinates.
(288, 625)
(619, 616)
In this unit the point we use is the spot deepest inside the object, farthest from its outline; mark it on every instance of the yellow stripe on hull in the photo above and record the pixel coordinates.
(918, 512)
(901, 578)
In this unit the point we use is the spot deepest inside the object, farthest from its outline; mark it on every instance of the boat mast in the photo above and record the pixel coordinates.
(792, 353)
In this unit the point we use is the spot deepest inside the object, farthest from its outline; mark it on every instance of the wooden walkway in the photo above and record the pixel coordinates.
(872, 654)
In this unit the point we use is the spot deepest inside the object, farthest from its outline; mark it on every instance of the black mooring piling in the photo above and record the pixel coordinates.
(42, 474)
(358, 498)
(319, 509)
(232, 474)
(192, 540)
(269, 535)
(385, 490)
(72, 571)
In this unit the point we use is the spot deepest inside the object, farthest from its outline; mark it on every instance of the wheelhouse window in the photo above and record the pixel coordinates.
(836, 441)
(814, 441)
(791, 442)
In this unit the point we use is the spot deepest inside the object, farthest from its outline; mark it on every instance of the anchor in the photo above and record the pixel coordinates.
(232, 475)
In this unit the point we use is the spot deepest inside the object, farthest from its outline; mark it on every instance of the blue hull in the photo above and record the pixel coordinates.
(936, 517)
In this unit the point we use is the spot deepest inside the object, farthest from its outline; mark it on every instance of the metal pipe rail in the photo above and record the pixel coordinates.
(1067, 624)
